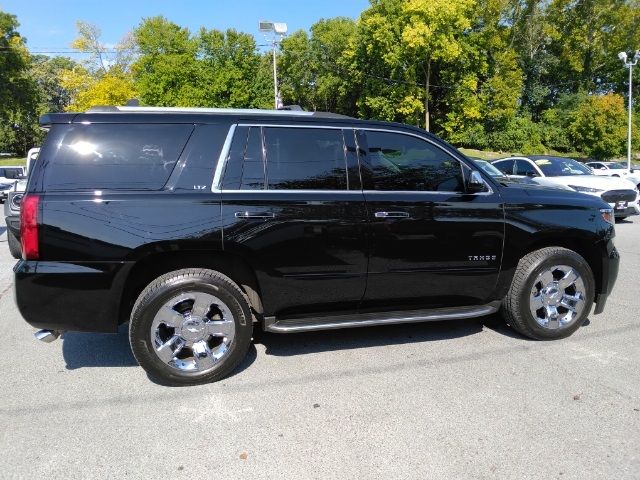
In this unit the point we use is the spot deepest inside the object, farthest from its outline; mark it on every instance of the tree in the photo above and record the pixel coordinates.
(530, 36)
(313, 69)
(18, 91)
(209, 69)
(105, 77)
(46, 72)
(599, 127)
(585, 36)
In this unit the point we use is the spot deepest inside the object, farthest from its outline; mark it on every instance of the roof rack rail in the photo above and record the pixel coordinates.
(296, 108)
(242, 111)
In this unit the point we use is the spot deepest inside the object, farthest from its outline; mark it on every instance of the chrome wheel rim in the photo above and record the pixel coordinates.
(557, 297)
(193, 332)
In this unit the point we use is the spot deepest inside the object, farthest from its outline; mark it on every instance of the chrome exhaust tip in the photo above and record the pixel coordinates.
(47, 336)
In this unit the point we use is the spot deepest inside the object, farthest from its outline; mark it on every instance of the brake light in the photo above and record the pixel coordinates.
(29, 227)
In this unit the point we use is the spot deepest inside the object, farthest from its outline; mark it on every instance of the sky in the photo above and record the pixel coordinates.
(49, 26)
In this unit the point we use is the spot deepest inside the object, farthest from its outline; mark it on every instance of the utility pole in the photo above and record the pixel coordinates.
(629, 63)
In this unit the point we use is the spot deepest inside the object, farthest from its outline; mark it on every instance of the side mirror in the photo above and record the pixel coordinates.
(532, 174)
(475, 183)
(603, 168)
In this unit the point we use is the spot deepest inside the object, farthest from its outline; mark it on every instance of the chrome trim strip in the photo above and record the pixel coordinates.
(385, 318)
(290, 125)
(307, 192)
(222, 159)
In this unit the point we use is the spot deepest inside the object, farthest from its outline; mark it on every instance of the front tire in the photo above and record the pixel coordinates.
(190, 326)
(551, 294)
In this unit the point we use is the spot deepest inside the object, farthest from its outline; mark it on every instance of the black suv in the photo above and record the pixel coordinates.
(195, 224)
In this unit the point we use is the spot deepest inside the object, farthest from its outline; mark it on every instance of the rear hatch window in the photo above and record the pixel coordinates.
(112, 156)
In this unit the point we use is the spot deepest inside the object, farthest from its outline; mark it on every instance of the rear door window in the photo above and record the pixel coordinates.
(525, 168)
(505, 166)
(112, 156)
(305, 159)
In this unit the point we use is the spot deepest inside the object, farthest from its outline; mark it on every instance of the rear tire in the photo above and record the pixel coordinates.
(190, 326)
(14, 245)
(551, 294)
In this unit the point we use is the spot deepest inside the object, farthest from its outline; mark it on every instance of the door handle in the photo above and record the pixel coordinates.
(254, 215)
(391, 215)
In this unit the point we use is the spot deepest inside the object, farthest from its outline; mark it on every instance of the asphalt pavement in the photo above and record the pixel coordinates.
(446, 400)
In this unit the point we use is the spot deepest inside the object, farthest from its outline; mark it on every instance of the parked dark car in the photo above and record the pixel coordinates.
(195, 224)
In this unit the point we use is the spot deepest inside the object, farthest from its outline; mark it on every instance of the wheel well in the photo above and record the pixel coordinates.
(152, 266)
(584, 248)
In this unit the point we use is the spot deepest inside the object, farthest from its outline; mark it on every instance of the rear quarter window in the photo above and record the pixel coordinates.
(112, 156)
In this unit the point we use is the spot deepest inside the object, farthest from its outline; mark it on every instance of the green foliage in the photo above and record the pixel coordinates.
(313, 68)
(19, 95)
(102, 79)
(599, 126)
(46, 72)
(208, 69)
(519, 134)
(513, 75)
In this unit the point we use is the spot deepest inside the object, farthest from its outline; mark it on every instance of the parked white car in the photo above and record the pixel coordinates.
(618, 192)
(614, 169)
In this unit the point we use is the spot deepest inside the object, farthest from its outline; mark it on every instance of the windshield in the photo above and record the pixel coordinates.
(616, 166)
(488, 168)
(561, 167)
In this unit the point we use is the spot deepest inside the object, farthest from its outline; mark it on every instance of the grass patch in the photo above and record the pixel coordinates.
(12, 161)
(471, 152)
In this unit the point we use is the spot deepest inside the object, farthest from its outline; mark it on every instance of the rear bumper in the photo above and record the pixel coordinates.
(68, 296)
(625, 212)
(610, 265)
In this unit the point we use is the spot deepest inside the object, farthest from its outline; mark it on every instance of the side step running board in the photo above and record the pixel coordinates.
(271, 324)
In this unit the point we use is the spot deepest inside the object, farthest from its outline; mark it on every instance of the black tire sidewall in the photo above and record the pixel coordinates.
(145, 311)
(571, 259)
(14, 244)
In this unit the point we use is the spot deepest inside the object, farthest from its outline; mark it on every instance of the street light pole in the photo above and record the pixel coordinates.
(629, 64)
(275, 76)
(279, 30)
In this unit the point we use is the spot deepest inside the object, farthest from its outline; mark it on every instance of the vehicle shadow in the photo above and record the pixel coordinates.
(376, 336)
(85, 350)
(81, 350)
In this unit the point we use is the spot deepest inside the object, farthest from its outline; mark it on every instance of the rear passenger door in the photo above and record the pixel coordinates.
(432, 244)
(292, 206)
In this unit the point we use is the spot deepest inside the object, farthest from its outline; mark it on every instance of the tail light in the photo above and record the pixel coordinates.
(29, 227)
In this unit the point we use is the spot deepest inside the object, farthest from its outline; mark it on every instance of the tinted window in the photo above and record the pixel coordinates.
(524, 167)
(305, 158)
(406, 163)
(252, 174)
(197, 163)
(505, 166)
(113, 156)
(12, 173)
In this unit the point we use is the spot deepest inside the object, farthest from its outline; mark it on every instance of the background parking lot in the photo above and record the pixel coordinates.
(460, 399)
